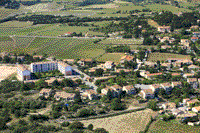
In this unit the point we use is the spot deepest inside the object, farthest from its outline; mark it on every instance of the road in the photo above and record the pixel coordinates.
(60, 37)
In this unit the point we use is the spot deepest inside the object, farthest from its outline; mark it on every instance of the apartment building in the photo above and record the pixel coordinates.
(51, 65)
(23, 73)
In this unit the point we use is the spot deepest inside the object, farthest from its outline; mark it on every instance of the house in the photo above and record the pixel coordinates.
(155, 87)
(194, 27)
(194, 39)
(143, 73)
(196, 109)
(166, 47)
(151, 75)
(191, 102)
(186, 75)
(46, 92)
(151, 64)
(51, 80)
(117, 89)
(147, 94)
(193, 82)
(64, 68)
(129, 89)
(164, 28)
(185, 61)
(126, 58)
(65, 96)
(91, 94)
(38, 57)
(176, 84)
(125, 70)
(176, 74)
(21, 58)
(167, 86)
(109, 64)
(70, 61)
(185, 100)
(185, 42)
(176, 112)
(196, 34)
(51, 58)
(186, 116)
(166, 65)
(169, 105)
(194, 67)
(83, 62)
(23, 73)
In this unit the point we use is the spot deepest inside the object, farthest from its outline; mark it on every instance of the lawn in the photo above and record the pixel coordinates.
(60, 48)
(164, 56)
(126, 123)
(121, 41)
(5, 12)
(115, 57)
(172, 126)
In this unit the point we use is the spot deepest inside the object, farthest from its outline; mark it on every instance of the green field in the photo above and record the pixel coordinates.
(16, 24)
(172, 126)
(60, 48)
(5, 12)
(115, 57)
(164, 56)
(5, 38)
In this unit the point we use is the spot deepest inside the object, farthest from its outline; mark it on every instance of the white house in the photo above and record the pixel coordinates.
(64, 68)
(109, 64)
(167, 86)
(23, 73)
(164, 28)
(155, 87)
(147, 94)
(129, 89)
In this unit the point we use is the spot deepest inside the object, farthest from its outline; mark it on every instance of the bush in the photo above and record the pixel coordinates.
(100, 130)
(65, 124)
(85, 112)
(90, 127)
(76, 125)
(41, 118)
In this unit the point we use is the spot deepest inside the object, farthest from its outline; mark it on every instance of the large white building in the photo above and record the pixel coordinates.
(23, 73)
(51, 65)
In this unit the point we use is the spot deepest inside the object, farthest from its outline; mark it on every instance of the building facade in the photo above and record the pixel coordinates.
(23, 73)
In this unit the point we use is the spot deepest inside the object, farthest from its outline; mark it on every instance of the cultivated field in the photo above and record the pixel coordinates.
(6, 71)
(15, 24)
(115, 57)
(4, 13)
(126, 123)
(164, 56)
(172, 127)
(121, 41)
(60, 48)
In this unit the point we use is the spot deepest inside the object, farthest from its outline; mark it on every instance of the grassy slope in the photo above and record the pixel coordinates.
(172, 127)
(110, 57)
(5, 12)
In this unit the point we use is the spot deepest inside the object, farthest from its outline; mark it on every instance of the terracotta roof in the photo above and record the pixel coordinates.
(165, 64)
(164, 27)
(91, 92)
(127, 57)
(125, 70)
(86, 60)
(115, 87)
(197, 108)
(193, 66)
(194, 37)
(167, 84)
(64, 94)
(156, 85)
(191, 79)
(177, 83)
(22, 67)
(45, 90)
(99, 78)
(192, 101)
(176, 74)
(187, 115)
(149, 91)
(129, 87)
(37, 56)
(154, 74)
(69, 60)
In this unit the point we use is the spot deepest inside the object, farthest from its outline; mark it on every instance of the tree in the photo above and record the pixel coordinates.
(98, 72)
(116, 104)
(152, 105)
(41, 84)
(109, 95)
(100, 130)
(78, 97)
(65, 124)
(76, 125)
(90, 127)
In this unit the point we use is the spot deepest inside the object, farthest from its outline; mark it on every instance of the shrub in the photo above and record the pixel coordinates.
(100, 130)
(90, 127)
(76, 125)
(65, 124)
(85, 112)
